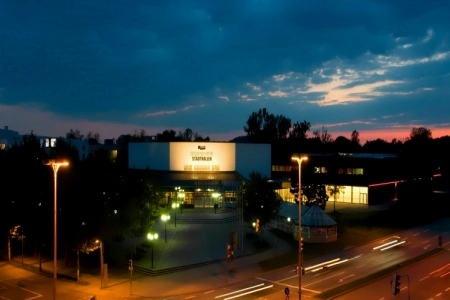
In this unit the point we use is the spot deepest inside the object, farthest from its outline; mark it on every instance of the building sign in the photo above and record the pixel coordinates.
(202, 157)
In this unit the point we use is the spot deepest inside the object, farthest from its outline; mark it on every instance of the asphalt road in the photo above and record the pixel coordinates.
(334, 270)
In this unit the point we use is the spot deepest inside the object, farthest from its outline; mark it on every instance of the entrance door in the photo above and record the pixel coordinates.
(363, 198)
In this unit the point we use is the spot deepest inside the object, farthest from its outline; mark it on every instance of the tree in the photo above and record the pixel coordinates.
(323, 135)
(355, 138)
(315, 194)
(263, 127)
(93, 138)
(260, 200)
(64, 150)
(185, 135)
(334, 191)
(299, 130)
(167, 136)
(420, 133)
(74, 134)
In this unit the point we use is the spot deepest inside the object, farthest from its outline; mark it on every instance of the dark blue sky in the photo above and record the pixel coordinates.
(380, 67)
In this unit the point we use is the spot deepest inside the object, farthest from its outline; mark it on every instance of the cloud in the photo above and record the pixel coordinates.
(429, 35)
(160, 113)
(278, 94)
(389, 61)
(254, 87)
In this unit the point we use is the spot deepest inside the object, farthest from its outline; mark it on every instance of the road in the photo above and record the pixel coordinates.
(337, 269)
(428, 280)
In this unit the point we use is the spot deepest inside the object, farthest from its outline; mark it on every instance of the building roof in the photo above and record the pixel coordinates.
(290, 210)
(316, 217)
(311, 215)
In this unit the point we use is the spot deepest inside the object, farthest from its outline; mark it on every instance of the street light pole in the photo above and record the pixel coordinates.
(299, 160)
(165, 218)
(152, 237)
(55, 166)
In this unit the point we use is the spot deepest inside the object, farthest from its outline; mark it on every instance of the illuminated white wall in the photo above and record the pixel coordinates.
(193, 156)
(207, 157)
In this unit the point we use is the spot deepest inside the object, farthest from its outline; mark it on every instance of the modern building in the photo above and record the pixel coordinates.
(8, 138)
(201, 174)
(357, 178)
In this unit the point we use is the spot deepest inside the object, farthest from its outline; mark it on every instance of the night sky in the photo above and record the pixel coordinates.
(380, 67)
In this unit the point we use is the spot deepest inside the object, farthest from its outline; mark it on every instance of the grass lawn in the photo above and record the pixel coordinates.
(359, 227)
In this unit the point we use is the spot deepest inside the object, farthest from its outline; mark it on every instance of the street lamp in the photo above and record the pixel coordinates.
(101, 262)
(152, 237)
(299, 160)
(55, 166)
(175, 206)
(165, 218)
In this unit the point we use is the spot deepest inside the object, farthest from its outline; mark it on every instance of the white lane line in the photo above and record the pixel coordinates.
(437, 295)
(241, 290)
(37, 295)
(321, 280)
(309, 290)
(208, 292)
(426, 230)
(446, 244)
(5, 298)
(250, 292)
(416, 234)
(189, 297)
(403, 288)
(424, 278)
(447, 289)
(360, 266)
(342, 279)
(425, 241)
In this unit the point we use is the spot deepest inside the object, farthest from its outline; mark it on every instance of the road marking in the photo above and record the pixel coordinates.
(309, 290)
(5, 298)
(208, 292)
(425, 242)
(437, 295)
(416, 234)
(382, 298)
(189, 297)
(342, 279)
(38, 295)
(250, 292)
(426, 247)
(321, 280)
(424, 278)
(426, 230)
(447, 289)
(241, 290)
(403, 288)
(360, 266)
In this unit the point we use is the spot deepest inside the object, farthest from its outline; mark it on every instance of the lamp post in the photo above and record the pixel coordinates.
(101, 262)
(299, 160)
(165, 218)
(152, 237)
(55, 166)
(175, 206)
